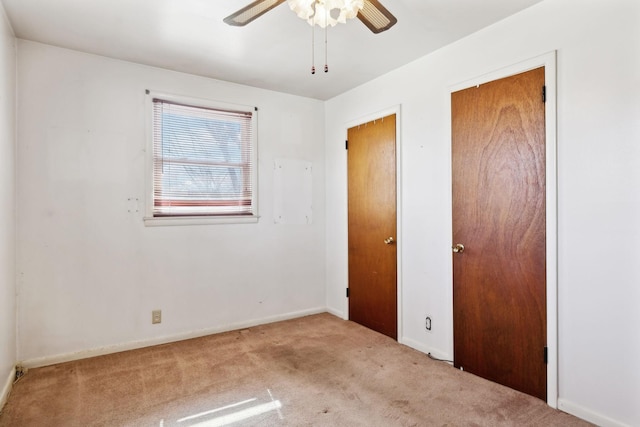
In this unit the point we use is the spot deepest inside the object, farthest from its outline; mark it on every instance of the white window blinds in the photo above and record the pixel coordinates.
(202, 161)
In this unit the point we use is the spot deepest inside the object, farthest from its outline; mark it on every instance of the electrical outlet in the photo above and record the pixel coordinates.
(427, 323)
(156, 316)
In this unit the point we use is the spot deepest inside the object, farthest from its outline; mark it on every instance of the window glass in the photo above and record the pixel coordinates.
(203, 160)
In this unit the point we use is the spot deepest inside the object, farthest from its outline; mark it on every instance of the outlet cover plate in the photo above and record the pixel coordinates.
(156, 316)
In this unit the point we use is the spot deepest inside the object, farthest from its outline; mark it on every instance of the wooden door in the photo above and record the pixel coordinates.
(499, 279)
(372, 225)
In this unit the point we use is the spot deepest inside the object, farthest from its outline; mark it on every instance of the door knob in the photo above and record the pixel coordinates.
(458, 248)
(389, 241)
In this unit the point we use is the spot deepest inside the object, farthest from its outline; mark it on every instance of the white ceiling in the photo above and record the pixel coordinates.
(272, 52)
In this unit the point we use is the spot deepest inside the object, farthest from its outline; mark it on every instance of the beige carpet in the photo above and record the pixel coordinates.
(313, 371)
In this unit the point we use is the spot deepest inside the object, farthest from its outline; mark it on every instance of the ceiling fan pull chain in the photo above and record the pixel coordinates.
(313, 60)
(326, 30)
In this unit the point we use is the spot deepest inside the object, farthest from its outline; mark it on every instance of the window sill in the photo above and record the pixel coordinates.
(198, 220)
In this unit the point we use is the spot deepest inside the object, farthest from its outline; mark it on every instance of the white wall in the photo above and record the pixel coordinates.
(598, 78)
(7, 201)
(89, 271)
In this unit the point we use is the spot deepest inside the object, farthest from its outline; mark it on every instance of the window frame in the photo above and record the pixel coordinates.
(149, 218)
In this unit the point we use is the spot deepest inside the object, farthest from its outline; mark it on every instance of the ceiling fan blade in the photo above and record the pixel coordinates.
(376, 17)
(252, 11)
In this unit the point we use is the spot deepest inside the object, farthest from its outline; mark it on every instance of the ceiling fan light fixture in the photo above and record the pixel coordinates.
(325, 13)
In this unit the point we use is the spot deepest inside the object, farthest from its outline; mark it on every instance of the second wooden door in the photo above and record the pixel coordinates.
(372, 225)
(499, 264)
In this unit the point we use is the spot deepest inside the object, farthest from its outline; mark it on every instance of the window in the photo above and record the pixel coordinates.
(203, 164)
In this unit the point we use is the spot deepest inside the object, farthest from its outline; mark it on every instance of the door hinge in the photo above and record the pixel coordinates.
(546, 355)
(346, 144)
(544, 93)
(347, 292)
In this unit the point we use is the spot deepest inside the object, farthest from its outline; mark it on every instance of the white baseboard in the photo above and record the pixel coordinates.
(588, 415)
(424, 348)
(132, 345)
(6, 389)
(336, 313)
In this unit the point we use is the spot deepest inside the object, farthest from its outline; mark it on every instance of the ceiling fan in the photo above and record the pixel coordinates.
(372, 14)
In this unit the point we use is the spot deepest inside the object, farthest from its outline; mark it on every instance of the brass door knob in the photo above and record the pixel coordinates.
(389, 241)
(458, 248)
